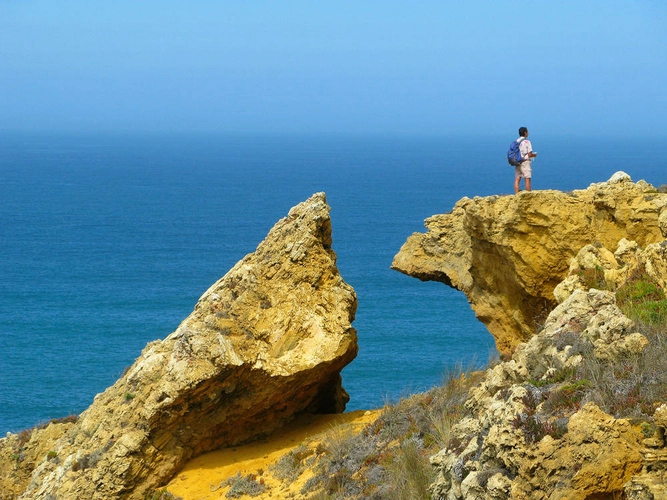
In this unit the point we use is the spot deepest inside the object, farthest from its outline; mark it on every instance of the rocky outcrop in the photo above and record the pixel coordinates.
(651, 483)
(597, 265)
(508, 253)
(529, 432)
(263, 344)
(534, 428)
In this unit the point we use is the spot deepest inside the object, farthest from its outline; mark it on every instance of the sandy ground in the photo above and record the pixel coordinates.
(200, 479)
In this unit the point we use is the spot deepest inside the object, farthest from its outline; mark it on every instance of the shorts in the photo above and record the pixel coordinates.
(524, 170)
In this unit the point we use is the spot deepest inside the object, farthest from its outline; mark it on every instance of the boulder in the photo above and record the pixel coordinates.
(265, 343)
(508, 253)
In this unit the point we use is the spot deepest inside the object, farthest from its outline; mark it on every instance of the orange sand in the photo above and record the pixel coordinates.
(201, 477)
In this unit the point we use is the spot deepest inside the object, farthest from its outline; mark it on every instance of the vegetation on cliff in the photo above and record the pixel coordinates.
(577, 410)
(572, 414)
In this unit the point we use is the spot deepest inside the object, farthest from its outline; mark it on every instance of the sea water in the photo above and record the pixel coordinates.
(107, 242)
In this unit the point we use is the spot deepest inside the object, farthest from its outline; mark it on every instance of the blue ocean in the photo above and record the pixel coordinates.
(107, 242)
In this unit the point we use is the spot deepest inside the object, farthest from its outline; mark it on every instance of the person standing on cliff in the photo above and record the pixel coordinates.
(524, 169)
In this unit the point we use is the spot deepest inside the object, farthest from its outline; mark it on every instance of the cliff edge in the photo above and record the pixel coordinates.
(264, 344)
(578, 412)
(508, 253)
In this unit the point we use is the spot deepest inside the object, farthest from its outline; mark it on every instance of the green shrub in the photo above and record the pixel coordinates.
(567, 398)
(642, 299)
(593, 278)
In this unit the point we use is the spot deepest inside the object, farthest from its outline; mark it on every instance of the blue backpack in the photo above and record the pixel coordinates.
(514, 157)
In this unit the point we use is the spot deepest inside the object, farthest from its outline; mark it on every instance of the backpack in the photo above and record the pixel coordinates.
(514, 157)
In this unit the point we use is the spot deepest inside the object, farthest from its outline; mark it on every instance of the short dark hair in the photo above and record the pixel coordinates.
(523, 131)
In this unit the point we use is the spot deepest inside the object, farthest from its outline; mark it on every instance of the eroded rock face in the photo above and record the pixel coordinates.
(508, 253)
(522, 438)
(264, 343)
(651, 483)
(504, 447)
(597, 265)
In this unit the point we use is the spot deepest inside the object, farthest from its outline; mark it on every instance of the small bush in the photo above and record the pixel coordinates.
(593, 278)
(484, 476)
(534, 429)
(411, 472)
(534, 426)
(24, 437)
(290, 466)
(242, 485)
(162, 494)
(648, 430)
(389, 458)
(567, 397)
(69, 419)
(642, 299)
(650, 312)
(557, 377)
(639, 288)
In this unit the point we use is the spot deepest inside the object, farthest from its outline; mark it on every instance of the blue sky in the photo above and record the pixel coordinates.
(422, 67)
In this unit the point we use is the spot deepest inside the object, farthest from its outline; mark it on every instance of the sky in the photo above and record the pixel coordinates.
(594, 67)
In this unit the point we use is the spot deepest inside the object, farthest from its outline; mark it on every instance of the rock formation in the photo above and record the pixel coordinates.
(651, 483)
(508, 253)
(534, 428)
(522, 439)
(263, 344)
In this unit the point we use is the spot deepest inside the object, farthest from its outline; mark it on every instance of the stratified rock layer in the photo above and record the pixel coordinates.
(508, 253)
(264, 343)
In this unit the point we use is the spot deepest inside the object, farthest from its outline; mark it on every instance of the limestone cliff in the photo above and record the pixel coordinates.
(529, 433)
(263, 344)
(508, 253)
(534, 429)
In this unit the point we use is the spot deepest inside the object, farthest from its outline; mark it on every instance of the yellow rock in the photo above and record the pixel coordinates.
(508, 253)
(264, 344)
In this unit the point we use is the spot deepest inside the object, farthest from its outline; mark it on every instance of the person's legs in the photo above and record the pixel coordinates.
(517, 178)
(526, 172)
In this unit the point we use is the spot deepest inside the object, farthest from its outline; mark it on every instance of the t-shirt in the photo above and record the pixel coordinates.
(525, 147)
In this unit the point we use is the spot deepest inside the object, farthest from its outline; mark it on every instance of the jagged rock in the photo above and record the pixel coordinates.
(21, 453)
(263, 344)
(596, 264)
(597, 456)
(500, 438)
(508, 253)
(651, 483)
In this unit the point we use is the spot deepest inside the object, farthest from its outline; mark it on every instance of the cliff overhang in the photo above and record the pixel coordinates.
(507, 254)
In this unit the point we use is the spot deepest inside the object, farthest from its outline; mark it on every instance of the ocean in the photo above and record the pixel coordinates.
(108, 240)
